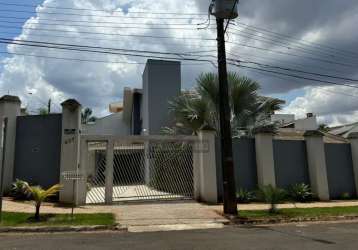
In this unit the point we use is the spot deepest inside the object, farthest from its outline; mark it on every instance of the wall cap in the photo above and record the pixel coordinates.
(266, 129)
(313, 133)
(10, 98)
(353, 135)
(71, 104)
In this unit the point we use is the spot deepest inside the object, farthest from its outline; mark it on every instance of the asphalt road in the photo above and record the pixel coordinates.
(325, 236)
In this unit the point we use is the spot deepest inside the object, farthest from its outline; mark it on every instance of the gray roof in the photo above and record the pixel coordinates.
(345, 130)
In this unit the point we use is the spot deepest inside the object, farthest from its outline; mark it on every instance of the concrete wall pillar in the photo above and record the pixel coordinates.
(10, 108)
(317, 168)
(109, 172)
(353, 138)
(265, 159)
(205, 179)
(70, 146)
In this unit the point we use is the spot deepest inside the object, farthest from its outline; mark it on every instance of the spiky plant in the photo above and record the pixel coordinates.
(300, 192)
(244, 196)
(39, 195)
(19, 190)
(272, 196)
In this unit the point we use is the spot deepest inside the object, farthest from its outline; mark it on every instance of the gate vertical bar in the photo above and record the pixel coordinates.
(82, 183)
(109, 172)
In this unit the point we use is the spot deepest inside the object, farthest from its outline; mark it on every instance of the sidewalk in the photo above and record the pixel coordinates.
(181, 214)
(164, 215)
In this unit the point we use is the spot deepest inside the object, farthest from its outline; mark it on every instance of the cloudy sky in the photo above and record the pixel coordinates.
(313, 36)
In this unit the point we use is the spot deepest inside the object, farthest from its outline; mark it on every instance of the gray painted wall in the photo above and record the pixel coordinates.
(339, 170)
(161, 83)
(109, 125)
(244, 162)
(290, 163)
(38, 149)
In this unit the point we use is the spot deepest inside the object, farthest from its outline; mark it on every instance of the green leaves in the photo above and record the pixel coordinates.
(39, 195)
(272, 196)
(300, 192)
(198, 108)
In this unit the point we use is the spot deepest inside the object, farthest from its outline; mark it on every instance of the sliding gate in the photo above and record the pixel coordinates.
(139, 168)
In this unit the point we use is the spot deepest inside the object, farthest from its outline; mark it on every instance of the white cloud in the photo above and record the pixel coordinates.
(334, 105)
(97, 84)
(93, 84)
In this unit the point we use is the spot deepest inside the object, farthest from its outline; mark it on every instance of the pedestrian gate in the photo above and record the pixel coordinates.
(139, 168)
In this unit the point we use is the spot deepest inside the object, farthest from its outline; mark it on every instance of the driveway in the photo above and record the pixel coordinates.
(301, 236)
(145, 216)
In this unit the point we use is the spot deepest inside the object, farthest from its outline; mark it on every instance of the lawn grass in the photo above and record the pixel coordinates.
(300, 213)
(11, 219)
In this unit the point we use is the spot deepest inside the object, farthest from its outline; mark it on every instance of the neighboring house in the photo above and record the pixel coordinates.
(344, 130)
(143, 111)
(289, 121)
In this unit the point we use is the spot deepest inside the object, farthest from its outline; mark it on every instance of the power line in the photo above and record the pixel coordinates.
(101, 10)
(168, 26)
(95, 39)
(292, 54)
(92, 21)
(296, 70)
(286, 62)
(137, 27)
(169, 53)
(186, 38)
(92, 60)
(106, 52)
(294, 39)
(106, 16)
(295, 76)
(166, 44)
(296, 80)
(109, 34)
(285, 45)
(40, 43)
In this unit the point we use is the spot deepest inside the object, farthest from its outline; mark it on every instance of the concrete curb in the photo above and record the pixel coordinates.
(62, 229)
(270, 221)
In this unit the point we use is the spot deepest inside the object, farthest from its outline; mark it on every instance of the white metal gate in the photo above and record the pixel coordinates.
(139, 168)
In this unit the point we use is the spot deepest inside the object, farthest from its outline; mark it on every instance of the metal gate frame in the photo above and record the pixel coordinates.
(111, 145)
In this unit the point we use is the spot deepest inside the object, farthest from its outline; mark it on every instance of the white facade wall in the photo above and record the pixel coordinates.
(306, 124)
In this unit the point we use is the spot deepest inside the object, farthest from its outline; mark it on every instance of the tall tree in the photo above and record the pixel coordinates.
(86, 116)
(196, 109)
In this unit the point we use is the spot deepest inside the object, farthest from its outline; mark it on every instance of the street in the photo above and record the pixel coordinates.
(300, 236)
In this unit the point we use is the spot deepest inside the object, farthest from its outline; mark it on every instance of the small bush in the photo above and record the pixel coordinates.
(19, 190)
(300, 192)
(244, 196)
(272, 196)
(345, 196)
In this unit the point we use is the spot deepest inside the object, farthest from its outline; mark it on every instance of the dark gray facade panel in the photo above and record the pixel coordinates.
(290, 163)
(244, 162)
(339, 170)
(38, 149)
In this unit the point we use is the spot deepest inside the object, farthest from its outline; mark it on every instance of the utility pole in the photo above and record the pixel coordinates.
(49, 106)
(225, 10)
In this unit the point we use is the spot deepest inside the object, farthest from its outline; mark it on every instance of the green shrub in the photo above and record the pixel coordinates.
(272, 196)
(300, 192)
(244, 196)
(345, 196)
(19, 190)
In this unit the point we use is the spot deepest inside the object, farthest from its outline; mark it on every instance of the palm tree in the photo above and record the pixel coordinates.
(200, 108)
(39, 195)
(86, 116)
